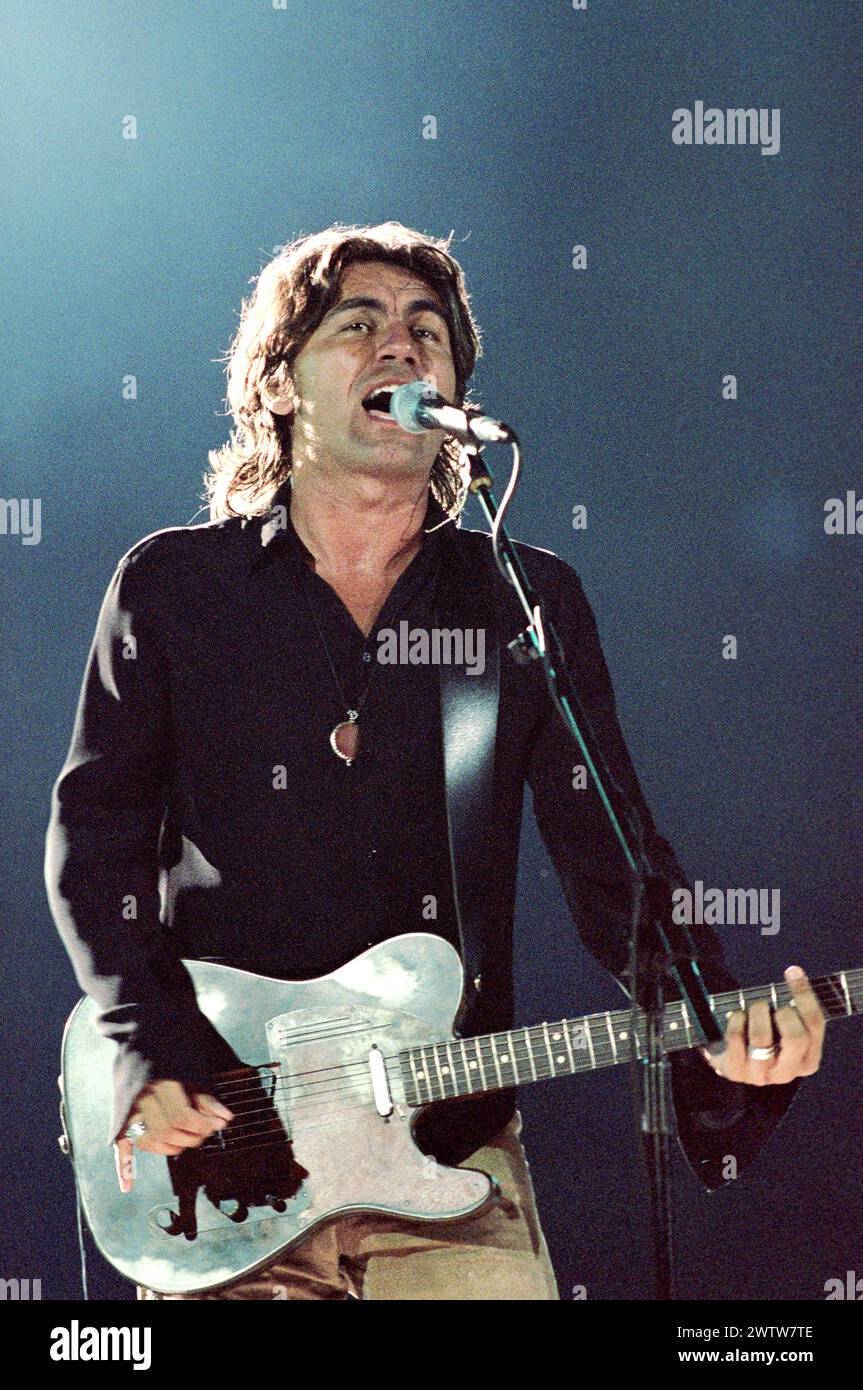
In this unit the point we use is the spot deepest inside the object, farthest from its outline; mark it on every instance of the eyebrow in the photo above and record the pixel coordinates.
(368, 301)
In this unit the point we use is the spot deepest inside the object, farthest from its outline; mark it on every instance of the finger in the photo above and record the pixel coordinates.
(807, 1006)
(124, 1162)
(194, 1124)
(793, 1047)
(175, 1137)
(210, 1106)
(712, 1060)
(172, 1109)
(187, 1131)
(159, 1146)
(759, 1024)
(733, 1059)
(732, 1055)
(759, 1033)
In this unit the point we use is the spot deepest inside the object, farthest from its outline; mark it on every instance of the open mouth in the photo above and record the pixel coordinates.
(377, 402)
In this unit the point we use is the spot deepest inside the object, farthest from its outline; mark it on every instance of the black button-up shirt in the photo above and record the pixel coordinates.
(202, 790)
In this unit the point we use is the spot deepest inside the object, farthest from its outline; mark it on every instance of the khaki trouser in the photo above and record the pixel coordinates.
(498, 1254)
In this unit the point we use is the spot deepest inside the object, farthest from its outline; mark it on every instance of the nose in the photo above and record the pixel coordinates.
(398, 345)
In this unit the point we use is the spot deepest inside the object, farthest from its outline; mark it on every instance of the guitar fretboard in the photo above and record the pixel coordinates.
(467, 1066)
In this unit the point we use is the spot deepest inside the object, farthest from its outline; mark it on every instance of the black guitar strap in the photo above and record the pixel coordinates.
(469, 714)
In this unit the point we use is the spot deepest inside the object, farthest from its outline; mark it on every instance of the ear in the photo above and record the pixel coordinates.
(279, 405)
(277, 392)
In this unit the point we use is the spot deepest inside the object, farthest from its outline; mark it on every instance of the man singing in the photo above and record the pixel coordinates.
(268, 794)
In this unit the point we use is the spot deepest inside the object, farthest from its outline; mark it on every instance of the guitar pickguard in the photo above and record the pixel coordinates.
(252, 1176)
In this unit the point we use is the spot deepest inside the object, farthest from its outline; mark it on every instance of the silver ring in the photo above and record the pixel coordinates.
(762, 1054)
(136, 1130)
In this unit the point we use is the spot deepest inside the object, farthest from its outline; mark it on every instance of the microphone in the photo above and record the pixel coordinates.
(417, 406)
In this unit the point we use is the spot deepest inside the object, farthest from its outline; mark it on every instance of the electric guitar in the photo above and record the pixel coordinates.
(323, 1126)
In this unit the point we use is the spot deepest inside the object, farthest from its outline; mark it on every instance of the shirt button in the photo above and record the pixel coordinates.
(367, 656)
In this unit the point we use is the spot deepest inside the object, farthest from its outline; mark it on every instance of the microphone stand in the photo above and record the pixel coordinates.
(658, 947)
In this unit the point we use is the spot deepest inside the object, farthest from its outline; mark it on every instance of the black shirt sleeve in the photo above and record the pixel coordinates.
(101, 862)
(717, 1119)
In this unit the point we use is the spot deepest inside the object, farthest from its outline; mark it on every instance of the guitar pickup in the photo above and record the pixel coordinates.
(380, 1085)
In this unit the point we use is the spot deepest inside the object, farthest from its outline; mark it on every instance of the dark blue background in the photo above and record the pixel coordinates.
(705, 517)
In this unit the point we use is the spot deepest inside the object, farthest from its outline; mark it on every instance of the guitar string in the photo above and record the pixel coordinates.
(322, 1112)
(524, 1060)
(518, 1056)
(601, 1041)
(523, 1065)
(343, 1086)
(343, 1081)
(325, 1113)
(318, 1100)
(544, 1071)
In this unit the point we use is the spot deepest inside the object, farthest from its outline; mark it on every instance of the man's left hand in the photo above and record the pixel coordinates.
(796, 1052)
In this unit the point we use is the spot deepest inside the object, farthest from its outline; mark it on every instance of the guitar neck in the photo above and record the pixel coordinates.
(469, 1066)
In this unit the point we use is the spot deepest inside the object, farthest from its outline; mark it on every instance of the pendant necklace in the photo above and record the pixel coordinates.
(345, 735)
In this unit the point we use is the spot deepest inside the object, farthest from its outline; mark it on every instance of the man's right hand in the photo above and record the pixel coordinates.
(174, 1123)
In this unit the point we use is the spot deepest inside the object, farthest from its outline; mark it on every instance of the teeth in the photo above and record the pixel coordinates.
(389, 388)
(383, 394)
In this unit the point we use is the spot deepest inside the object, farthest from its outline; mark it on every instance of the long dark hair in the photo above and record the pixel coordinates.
(291, 296)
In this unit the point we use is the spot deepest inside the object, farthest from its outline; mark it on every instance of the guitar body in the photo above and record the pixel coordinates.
(313, 1144)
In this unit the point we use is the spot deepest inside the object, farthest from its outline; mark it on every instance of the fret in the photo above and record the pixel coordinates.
(577, 1042)
(496, 1062)
(469, 1082)
(560, 1058)
(478, 1050)
(414, 1074)
(611, 1035)
(623, 1036)
(548, 1047)
(835, 995)
(590, 1043)
(512, 1062)
(456, 1088)
(424, 1074)
(465, 1064)
(848, 1007)
(438, 1070)
(530, 1054)
(568, 1045)
(686, 1025)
